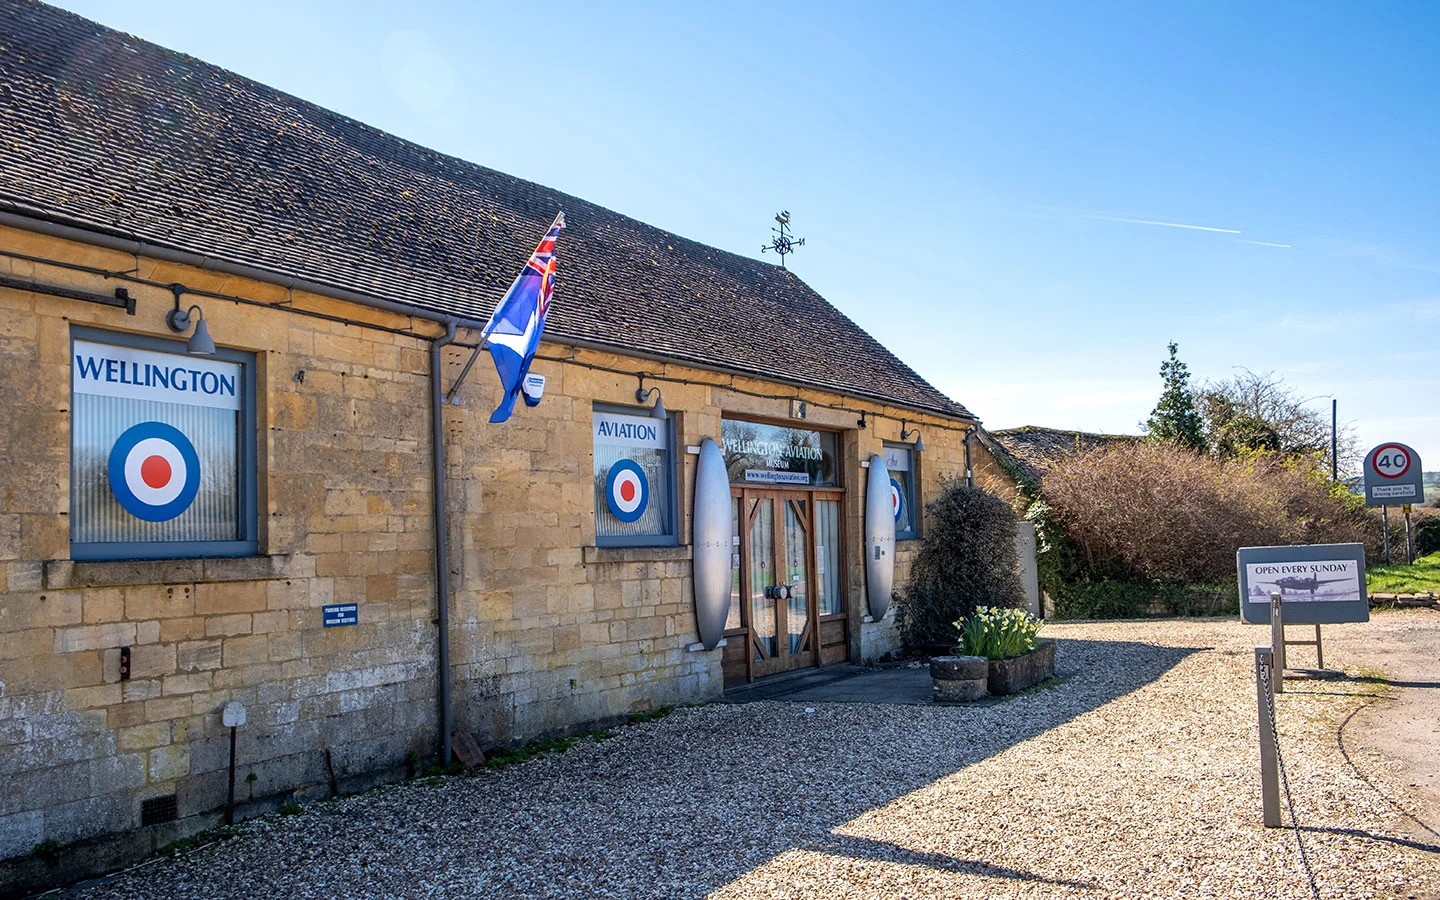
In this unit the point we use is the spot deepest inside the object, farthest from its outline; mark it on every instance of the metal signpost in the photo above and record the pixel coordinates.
(1393, 474)
(1311, 584)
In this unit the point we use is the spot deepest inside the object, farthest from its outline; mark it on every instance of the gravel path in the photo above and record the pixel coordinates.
(1136, 776)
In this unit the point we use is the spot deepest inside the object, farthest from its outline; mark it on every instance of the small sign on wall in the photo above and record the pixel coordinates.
(342, 614)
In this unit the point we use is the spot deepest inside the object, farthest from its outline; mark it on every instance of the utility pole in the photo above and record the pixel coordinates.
(1334, 441)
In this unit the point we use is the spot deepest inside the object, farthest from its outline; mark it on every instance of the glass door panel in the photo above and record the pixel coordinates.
(763, 614)
(827, 557)
(732, 619)
(797, 576)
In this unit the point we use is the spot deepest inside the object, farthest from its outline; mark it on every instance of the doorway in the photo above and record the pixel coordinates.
(787, 607)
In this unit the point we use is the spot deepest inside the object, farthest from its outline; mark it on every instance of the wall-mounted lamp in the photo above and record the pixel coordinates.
(906, 435)
(178, 319)
(642, 395)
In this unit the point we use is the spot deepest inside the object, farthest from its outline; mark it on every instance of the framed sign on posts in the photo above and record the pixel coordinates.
(1319, 584)
(1393, 476)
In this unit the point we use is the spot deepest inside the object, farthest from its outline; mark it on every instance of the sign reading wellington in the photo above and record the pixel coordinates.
(1318, 584)
(153, 467)
(1393, 475)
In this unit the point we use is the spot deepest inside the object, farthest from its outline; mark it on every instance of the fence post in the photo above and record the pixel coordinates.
(1277, 644)
(1269, 754)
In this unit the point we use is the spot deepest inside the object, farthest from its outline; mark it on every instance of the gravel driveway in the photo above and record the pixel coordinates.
(1135, 776)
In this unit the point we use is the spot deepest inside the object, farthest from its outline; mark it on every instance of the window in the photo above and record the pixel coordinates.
(899, 459)
(162, 449)
(634, 480)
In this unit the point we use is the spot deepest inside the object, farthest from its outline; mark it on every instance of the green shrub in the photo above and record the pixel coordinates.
(1109, 598)
(967, 560)
(998, 633)
(1427, 536)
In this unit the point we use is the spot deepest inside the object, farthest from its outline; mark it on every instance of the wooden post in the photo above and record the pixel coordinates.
(1277, 645)
(1269, 759)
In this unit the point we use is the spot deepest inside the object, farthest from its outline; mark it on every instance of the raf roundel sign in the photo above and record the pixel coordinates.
(627, 491)
(1393, 475)
(897, 499)
(154, 471)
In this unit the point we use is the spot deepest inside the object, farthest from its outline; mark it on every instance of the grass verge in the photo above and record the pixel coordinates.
(1402, 579)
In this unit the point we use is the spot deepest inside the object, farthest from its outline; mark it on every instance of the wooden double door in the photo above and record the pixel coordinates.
(787, 604)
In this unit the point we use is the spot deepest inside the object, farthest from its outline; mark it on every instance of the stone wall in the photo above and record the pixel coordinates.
(344, 512)
(549, 632)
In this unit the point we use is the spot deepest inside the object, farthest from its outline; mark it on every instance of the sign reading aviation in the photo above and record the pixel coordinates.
(1318, 583)
(1392, 475)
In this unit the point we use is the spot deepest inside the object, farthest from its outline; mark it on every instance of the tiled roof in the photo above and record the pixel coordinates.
(1033, 450)
(110, 132)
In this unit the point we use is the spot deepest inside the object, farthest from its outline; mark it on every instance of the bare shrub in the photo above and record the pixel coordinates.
(1157, 511)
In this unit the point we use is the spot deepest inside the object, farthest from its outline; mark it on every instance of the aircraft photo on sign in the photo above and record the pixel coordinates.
(1306, 581)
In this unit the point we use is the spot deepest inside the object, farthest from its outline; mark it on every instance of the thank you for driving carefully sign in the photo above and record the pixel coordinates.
(1393, 476)
(1318, 584)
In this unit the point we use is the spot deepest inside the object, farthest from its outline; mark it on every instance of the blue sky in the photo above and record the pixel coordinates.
(1002, 193)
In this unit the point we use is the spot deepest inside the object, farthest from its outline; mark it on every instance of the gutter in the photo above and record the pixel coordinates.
(170, 254)
(583, 344)
(210, 263)
(138, 247)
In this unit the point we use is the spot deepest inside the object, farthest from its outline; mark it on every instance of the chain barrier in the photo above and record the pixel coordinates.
(1285, 781)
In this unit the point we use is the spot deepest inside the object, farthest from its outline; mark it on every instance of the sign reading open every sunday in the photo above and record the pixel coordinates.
(1317, 583)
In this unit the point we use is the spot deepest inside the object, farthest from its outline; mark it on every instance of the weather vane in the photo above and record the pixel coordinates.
(783, 243)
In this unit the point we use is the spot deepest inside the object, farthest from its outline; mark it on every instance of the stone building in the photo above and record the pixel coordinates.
(182, 531)
(1013, 462)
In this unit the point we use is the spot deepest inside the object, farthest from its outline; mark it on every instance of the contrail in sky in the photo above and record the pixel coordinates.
(1260, 243)
(1168, 224)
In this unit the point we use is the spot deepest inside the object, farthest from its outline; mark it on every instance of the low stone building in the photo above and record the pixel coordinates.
(299, 525)
(1012, 462)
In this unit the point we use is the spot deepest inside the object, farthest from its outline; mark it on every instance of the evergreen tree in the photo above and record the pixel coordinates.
(1174, 418)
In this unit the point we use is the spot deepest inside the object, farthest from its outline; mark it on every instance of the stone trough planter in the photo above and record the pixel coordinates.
(962, 679)
(1011, 676)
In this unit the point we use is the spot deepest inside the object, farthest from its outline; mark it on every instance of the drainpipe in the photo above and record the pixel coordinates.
(969, 459)
(442, 528)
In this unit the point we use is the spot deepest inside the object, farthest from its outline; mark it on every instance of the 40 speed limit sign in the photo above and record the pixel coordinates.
(1393, 475)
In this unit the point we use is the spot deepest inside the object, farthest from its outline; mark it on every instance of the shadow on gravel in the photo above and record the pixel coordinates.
(1384, 838)
(882, 851)
(674, 808)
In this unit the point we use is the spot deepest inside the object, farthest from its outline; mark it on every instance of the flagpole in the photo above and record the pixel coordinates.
(490, 326)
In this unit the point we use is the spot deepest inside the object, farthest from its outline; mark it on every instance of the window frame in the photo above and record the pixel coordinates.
(247, 462)
(913, 533)
(670, 538)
